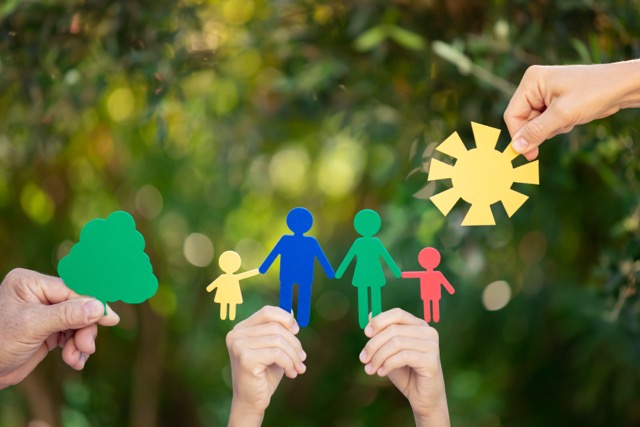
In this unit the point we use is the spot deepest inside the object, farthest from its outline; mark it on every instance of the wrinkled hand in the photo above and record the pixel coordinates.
(262, 349)
(39, 313)
(406, 349)
(551, 100)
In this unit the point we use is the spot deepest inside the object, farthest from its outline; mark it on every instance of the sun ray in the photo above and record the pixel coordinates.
(439, 170)
(446, 200)
(512, 201)
(479, 215)
(486, 137)
(527, 173)
(453, 146)
(510, 153)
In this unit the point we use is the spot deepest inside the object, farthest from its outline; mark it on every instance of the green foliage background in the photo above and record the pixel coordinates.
(214, 118)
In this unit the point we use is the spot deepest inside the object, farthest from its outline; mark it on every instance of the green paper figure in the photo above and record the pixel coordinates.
(109, 263)
(368, 274)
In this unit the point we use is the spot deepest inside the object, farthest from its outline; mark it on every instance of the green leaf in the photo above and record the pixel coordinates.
(371, 38)
(406, 38)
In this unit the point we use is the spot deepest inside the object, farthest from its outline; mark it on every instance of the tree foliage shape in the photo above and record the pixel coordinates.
(109, 262)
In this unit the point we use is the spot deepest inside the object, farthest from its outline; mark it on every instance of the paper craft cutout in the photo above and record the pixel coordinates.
(109, 262)
(430, 282)
(297, 255)
(368, 273)
(481, 176)
(229, 294)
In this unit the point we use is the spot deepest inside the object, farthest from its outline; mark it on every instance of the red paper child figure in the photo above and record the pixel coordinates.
(430, 282)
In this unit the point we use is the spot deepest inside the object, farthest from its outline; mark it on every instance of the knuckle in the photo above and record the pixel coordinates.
(243, 358)
(397, 342)
(229, 339)
(432, 347)
(235, 349)
(431, 365)
(70, 316)
(533, 71)
(433, 334)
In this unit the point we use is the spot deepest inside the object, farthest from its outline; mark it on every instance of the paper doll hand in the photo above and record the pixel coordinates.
(262, 349)
(551, 100)
(406, 349)
(39, 313)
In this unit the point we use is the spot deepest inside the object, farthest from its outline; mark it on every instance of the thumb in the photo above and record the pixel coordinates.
(537, 130)
(75, 313)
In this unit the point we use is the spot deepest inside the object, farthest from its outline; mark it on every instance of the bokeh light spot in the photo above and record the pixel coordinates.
(164, 302)
(466, 384)
(237, 12)
(533, 247)
(149, 202)
(496, 295)
(288, 171)
(340, 168)
(121, 104)
(198, 249)
(37, 204)
(246, 64)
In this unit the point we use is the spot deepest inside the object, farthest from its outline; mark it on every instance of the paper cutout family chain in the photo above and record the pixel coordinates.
(298, 253)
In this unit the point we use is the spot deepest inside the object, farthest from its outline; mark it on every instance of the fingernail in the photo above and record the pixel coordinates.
(367, 368)
(302, 355)
(520, 145)
(381, 372)
(296, 328)
(368, 331)
(94, 309)
(304, 368)
(363, 356)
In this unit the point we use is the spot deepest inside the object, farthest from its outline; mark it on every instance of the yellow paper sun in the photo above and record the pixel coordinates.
(481, 176)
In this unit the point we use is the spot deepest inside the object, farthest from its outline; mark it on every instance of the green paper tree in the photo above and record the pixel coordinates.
(109, 262)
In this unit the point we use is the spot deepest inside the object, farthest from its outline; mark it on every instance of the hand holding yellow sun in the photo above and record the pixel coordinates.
(481, 176)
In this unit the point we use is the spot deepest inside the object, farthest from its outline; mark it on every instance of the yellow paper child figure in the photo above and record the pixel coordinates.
(228, 284)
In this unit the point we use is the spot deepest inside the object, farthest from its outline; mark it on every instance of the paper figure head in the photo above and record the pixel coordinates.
(429, 258)
(299, 220)
(367, 222)
(229, 262)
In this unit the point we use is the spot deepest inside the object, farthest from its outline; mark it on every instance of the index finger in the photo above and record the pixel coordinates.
(271, 314)
(394, 316)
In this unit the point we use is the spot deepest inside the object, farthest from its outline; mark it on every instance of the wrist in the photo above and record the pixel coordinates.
(243, 414)
(628, 74)
(437, 416)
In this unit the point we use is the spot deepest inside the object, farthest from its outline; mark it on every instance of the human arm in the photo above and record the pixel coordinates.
(406, 349)
(551, 100)
(39, 313)
(446, 284)
(248, 274)
(324, 262)
(262, 349)
(346, 261)
(390, 262)
(275, 252)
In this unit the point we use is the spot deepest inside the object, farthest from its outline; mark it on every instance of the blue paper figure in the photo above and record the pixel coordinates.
(297, 258)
